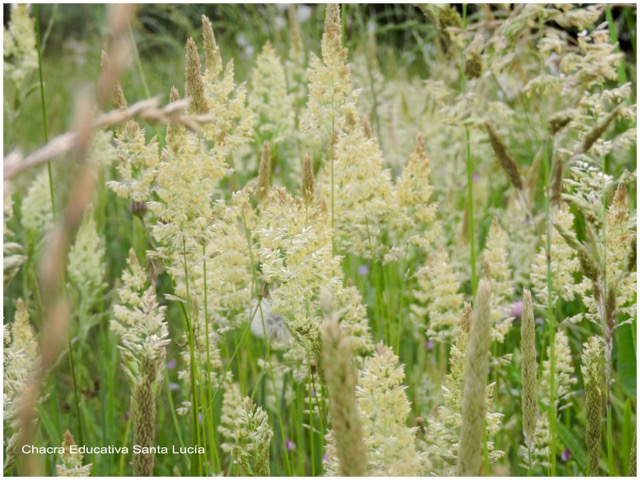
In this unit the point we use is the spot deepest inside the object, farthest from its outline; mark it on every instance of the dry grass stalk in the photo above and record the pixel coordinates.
(529, 372)
(308, 188)
(341, 380)
(475, 382)
(507, 162)
(264, 175)
(194, 85)
(592, 372)
(55, 305)
(146, 110)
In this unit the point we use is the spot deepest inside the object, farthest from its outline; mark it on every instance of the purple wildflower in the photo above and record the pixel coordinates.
(290, 445)
(516, 309)
(173, 387)
(363, 270)
(199, 417)
(171, 364)
(566, 455)
(476, 176)
(429, 344)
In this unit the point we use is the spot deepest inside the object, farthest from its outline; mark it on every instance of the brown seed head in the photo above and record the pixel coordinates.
(194, 86)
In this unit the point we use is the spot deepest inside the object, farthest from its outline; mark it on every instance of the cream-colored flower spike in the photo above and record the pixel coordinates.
(211, 51)
(194, 83)
(87, 265)
(414, 197)
(269, 98)
(295, 255)
(71, 463)
(495, 255)
(247, 433)
(564, 263)
(37, 216)
(144, 336)
(438, 301)
(365, 207)
(384, 408)
(20, 54)
(329, 81)
(21, 359)
(443, 429)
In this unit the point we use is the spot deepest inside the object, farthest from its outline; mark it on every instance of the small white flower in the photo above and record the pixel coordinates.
(266, 324)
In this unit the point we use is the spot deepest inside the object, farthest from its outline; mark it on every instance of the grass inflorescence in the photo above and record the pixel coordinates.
(375, 240)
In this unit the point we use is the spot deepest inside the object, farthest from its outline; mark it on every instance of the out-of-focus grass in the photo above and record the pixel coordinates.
(71, 61)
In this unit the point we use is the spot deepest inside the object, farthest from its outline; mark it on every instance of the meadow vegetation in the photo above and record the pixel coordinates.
(292, 240)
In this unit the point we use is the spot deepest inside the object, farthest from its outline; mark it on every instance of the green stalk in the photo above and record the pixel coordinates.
(613, 32)
(123, 443)
(53, 211)
(44, 108)
(472, 233)
(174, 417)
(608, 367)
(212, 441)
(311, 435)
(143, 78)
(194, 407)
(610, 464)
(75, 392)
(267, 344)
(551, 324)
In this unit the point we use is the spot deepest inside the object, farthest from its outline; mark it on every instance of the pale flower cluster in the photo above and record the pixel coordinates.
(330, 85)
(140, 324)
(564, 263)
(87, 263)
(438, 301)
(565, 382)
(71, 463)
(269, 97)
(37, 216)
(384, 408)
(20, 54)
(296, 259)
(246, 428)
(443, 429)
(20, 361)
(495, 255)
(12, 251)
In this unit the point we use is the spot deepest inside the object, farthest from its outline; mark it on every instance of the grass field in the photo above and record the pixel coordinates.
(320, 240)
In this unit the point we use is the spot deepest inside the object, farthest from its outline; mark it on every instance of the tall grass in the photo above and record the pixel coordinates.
(248, 206)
